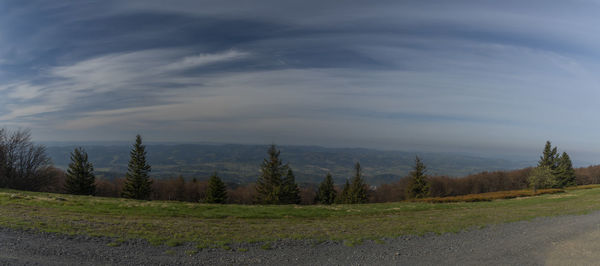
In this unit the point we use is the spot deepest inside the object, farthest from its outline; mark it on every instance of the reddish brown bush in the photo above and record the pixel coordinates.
(109, 188)
(242, 194)
(489, 196)
(588, 175)
(308, 194)
(178, 189)
(389, 192)
(56, 179)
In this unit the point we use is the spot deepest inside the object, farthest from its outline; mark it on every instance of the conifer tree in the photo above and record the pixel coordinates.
(541, 177)
(565, 174)
(268, 185)
(137, 181)
(216, 192)
(549, 157)
(80, 179)
(290, 193)
(343, 198)
(358, 192)
(418, 186)
(561, 166)
(326, 193)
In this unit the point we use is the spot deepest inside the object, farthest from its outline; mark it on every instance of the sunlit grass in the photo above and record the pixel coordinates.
(174, 223)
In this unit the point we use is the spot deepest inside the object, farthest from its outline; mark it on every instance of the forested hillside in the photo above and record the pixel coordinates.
(240, 163)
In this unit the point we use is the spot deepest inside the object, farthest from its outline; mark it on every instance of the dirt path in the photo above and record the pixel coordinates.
(565, 240)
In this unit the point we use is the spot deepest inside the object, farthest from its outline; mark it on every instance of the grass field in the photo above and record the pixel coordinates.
(173, 223)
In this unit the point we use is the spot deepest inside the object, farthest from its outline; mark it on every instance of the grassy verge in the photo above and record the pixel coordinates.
(173, 223)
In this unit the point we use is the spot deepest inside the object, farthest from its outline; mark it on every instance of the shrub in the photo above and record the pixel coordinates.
(490, 196)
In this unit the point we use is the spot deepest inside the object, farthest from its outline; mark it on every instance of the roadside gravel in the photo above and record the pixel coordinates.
(542, 241)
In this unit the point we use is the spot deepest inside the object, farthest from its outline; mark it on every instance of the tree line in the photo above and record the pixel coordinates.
(80, 178)
(25, 166)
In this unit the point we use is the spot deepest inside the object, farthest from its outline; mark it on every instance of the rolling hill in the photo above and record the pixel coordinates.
(240, 163)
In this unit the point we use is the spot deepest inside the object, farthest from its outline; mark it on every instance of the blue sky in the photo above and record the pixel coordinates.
(489, 77)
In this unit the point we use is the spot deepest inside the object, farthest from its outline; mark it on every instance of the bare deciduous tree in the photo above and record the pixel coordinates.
(24, 165)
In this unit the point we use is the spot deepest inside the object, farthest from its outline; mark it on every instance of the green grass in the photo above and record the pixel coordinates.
(173, 243)
(170, 252)
(209, 225)
(191, 252)
(113, 244)
(379, 241)
(266, 246)
(202, 246)
(353, 242)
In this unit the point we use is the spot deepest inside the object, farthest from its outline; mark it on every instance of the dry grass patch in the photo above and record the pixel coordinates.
(489, 196)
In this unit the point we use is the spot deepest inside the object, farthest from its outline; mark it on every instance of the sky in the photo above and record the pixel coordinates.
(485, 77)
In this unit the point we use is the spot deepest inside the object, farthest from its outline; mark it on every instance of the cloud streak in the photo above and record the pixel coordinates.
(205, 59)
(460, 76)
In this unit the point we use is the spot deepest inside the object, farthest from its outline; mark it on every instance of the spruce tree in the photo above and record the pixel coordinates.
(565, 174)
(549, 157)
(358, 192)
(343, 198)
(268, 184)
(137, 181)
(216, 192)
(80, 179)
(290, 193)
(561, 166)
(418, 186)
(326, 193)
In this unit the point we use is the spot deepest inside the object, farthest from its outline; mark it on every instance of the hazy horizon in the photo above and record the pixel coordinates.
(490, 78)
(530, 157)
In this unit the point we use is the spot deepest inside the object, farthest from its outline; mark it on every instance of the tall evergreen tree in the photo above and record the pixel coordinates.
(290, 193)
(565, 174)
(216, 192)
(137, 180)
(561, 166)
(549, 157)
(358, 192)
(343, 198)
(326, 193)
(418, 186)
(80, 177)
(268, 185)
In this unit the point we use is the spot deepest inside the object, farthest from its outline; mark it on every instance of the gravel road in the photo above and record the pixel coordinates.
(564, 240)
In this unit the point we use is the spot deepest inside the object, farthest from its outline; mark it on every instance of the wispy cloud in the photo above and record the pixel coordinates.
(94, 84)
(21, 91)
(206, 59)
(460, 75)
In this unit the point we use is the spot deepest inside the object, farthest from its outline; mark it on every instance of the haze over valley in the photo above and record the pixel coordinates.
(239, 164)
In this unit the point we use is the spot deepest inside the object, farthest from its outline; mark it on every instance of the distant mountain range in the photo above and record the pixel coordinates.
(240, 163)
